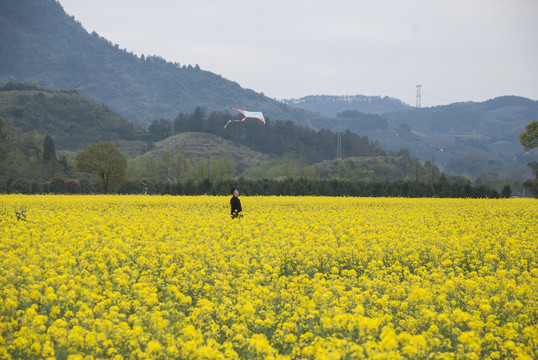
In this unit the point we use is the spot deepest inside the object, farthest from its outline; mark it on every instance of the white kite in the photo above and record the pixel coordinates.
(246, 115)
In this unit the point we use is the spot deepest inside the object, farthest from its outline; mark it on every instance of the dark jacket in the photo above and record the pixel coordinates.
(236, 205)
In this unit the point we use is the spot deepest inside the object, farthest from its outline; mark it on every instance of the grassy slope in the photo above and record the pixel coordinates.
(202, 146)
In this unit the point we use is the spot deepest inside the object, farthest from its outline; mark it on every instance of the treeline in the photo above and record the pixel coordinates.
(444, 188)
(57, 185)
(336, 187)
(275, 138)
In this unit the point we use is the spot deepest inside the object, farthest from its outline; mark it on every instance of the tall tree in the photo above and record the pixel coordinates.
(106, 162)
(49, 150)
(529, 140)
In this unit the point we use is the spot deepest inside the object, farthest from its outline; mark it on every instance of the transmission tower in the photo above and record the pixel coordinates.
(418, 95)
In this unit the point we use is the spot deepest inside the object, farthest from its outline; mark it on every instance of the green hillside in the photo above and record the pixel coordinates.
(73, 120)
(40, 43)
(202, 146)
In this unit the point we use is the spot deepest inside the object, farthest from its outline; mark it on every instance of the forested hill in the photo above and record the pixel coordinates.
(330, 105)
(73, 120)
(469, 138)
(40, 43)
(502, 117)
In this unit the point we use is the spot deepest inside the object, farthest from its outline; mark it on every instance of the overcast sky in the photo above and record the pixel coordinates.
(459, 50)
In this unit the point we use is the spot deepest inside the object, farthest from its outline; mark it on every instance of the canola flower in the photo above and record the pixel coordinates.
(87, 277)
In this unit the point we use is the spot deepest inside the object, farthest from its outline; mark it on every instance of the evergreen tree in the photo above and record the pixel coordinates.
(160, 129)
(506, 191)
(49, 150)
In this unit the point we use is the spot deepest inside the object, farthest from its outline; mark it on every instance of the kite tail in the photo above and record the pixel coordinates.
(229, 121)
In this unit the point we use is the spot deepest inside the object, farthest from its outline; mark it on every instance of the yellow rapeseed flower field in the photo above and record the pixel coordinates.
(143, 277)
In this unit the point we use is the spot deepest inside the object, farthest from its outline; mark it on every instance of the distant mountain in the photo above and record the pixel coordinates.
(72, 120)
(469, 138)
(500, 118)
(40, 43)
(331, 105)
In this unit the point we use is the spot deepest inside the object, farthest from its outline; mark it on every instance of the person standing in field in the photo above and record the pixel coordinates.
(235, 204)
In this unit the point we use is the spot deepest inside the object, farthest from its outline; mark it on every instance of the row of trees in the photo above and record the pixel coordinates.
(275, 138)
(286, 187)
(336, 187)
(57, 185)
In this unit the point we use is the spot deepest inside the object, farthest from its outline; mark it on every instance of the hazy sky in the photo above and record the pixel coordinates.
(459, 50)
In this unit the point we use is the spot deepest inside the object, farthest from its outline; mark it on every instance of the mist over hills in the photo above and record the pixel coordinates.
(469, 138)
(40, 43)
(330, 105)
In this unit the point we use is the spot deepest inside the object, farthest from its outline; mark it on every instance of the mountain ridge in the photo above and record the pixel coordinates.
(40, 43)
(331, 105)
(466, 137)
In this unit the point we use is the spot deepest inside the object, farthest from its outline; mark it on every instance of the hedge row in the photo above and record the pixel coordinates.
(288, 187)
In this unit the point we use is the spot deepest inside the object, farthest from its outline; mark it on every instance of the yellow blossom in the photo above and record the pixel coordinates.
(298, 277)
